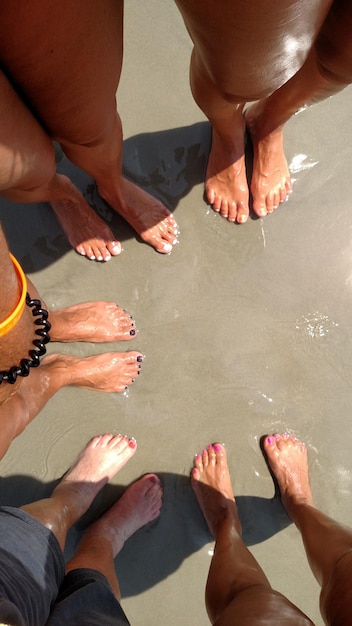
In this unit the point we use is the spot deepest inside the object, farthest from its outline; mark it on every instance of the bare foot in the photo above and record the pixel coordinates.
(211, 484)
(151, 220)
(87, 233)
(271, 181)
(140, 504)
(92, 321)
(110, 371)
(226, 183)
(98, 462)
(287, 458)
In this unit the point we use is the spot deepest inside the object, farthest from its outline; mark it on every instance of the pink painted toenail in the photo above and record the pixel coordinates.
(204, 451)
(217, 448)
(132, 443)
(270, 440)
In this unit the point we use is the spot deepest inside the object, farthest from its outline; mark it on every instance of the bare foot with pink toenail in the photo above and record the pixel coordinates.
(211, 483)
(287, 458)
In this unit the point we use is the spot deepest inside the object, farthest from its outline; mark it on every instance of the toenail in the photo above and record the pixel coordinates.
(132, 332)
(133, 379)
(262, 212)
(203, 451)
(270, 440)
(285, 435)
(217, 448)
(139, 371)
(139, 359)
(242, 219)
(132, 443)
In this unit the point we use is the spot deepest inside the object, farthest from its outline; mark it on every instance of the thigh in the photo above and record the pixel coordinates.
(86, 598)
(66, 62)
(31, 566)
(252, 47)
(26, 152)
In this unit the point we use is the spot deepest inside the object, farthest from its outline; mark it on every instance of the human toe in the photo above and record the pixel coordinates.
(114, 247)
(216, 203)
(224, 209)
(100, 250)
(242, 213)
(85, 249)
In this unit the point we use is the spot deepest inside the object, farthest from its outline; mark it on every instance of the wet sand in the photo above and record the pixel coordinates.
(246, 330)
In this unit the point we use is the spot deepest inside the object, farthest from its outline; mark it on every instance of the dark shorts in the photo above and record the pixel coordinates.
(34, 590)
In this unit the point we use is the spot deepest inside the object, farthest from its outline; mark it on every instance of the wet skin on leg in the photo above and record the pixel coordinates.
(28, 175)
(237, 591)
(327, 70)
(111, 372)
(68, 64)
(331, 566)
(222, 82)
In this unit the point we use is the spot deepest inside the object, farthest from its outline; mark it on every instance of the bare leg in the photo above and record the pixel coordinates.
(98, 462)
(332, 564)
(71, 80)
(326, 71)
(28, 174)
(265, 46)
(22, 401)
(237, 592)
(102, 542)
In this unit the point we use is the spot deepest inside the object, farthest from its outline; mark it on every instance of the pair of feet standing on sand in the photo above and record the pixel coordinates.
(98, 462)
(106, 454)
(90, 236)
(211, 481)
(226, 186)
(226, 190)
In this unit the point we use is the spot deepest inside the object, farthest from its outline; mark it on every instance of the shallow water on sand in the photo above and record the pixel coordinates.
(246, 331)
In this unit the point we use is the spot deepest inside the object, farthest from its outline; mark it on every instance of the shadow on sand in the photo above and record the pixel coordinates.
(158, 549)
(166, 164)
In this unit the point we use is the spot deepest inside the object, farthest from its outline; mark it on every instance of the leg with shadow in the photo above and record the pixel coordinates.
(327, 70)
(45, 524)
(28, 174)
(70, 80)
(243, 52)
(26, 382)
(237, 589)
(328, 544)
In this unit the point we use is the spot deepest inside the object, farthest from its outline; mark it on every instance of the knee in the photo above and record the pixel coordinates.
(23, 171)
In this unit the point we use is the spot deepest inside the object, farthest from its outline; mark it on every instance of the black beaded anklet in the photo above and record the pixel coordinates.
(10, 376)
